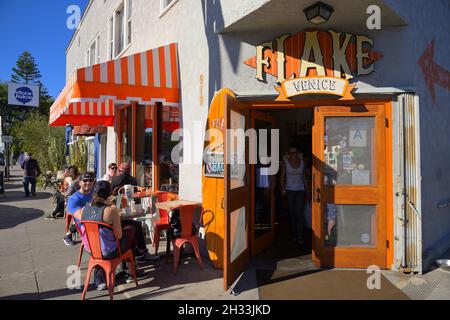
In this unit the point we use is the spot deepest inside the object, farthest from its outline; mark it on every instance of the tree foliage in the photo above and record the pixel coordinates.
(46, 143)
(26, 69)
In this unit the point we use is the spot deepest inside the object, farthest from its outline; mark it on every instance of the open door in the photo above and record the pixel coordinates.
(263, 186)
(349, 186)
(237, 190)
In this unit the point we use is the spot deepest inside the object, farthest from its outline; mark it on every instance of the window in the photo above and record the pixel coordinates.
(126, 134)
(166, 5)
(168, 122)
(128, 29)
(111, 38)
(144, 145)
(119, 29)
(90, 154)
(93, 53)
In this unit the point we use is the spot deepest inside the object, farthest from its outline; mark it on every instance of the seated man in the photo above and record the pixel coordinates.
(78, 200)
(123, 178)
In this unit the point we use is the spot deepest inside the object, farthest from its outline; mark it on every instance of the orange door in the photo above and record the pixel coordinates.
(349, 186)
(237, 190)
(263, 184)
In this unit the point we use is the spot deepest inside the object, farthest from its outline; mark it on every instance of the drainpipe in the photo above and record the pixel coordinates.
(405, 265)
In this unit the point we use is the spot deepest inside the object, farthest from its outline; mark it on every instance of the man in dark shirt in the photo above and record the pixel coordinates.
(31, 171)
(123, 178)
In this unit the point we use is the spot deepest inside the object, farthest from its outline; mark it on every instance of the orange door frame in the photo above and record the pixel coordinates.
(262, 105)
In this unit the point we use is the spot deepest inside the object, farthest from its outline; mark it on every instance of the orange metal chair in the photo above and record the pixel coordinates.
(92, 243)
(187, 234)
(163, 222)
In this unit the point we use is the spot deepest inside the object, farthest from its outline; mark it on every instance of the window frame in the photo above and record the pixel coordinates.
(96, 44)
(164, 8)
(113, 40)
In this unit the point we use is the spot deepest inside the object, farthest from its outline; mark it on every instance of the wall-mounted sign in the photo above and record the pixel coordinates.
(314, 53)
(23, 94)
(315, 85)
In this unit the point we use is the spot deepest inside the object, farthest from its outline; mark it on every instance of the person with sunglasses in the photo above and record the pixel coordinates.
(78, 200)
(112, 172)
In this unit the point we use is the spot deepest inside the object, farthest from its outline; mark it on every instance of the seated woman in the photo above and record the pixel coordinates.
(69, 187)
(129, 234)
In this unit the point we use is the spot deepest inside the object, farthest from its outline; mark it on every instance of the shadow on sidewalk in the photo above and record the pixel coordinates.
(12, 196)
(12, 216)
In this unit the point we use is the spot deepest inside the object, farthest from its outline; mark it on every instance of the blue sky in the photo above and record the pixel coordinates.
(37, 26)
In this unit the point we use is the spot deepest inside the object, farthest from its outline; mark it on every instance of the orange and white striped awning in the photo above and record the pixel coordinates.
(91, 93)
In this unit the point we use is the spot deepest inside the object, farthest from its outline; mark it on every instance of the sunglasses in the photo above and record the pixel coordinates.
(114, 168)
(87, 180)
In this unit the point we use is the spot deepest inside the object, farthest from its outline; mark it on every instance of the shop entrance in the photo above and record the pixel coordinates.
(346, 149)
(344, 153)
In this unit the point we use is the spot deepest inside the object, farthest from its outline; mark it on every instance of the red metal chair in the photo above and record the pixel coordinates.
(187, 214)
(163, 222)
(92, 243)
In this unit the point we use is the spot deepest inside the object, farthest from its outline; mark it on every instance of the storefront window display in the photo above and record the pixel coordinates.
(144, 146)
(168, 123)
(126, 132)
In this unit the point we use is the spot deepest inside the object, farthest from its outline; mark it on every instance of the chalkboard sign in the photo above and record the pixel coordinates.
(214, 165)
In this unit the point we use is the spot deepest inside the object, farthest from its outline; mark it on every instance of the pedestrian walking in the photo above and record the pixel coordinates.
(31, 171)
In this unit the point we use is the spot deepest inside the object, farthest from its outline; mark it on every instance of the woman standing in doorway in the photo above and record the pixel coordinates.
(294, 187)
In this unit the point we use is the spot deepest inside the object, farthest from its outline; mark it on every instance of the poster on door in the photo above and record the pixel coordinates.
(358, 137)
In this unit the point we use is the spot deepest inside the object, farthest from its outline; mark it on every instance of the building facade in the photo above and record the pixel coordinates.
(399, 74)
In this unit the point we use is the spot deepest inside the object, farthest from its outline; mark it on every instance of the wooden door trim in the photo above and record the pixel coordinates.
(375, 194)
(258, 246)
(231, 196)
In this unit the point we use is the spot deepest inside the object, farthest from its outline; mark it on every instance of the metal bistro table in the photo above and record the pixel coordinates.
(169, 205)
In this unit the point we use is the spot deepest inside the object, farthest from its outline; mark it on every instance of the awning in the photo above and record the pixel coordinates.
(91, 93)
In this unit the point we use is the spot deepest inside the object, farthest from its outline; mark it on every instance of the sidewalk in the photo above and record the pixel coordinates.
(34, 261)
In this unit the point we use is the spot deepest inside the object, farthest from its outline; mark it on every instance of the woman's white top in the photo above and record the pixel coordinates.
(294, 177)
(107, 177)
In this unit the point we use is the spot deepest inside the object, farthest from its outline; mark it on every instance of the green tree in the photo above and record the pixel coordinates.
(26, 69)
(46, 143)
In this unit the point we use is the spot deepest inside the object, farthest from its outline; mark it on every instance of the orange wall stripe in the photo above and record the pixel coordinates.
(124, 67)
(81, 74)
(96, 73)
(137, 69)
(110, 68)
(174, 65)
(151, 77)
(162, 67)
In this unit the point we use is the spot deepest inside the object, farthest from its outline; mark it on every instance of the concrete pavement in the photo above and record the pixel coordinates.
(34, 260)
(34, 263)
